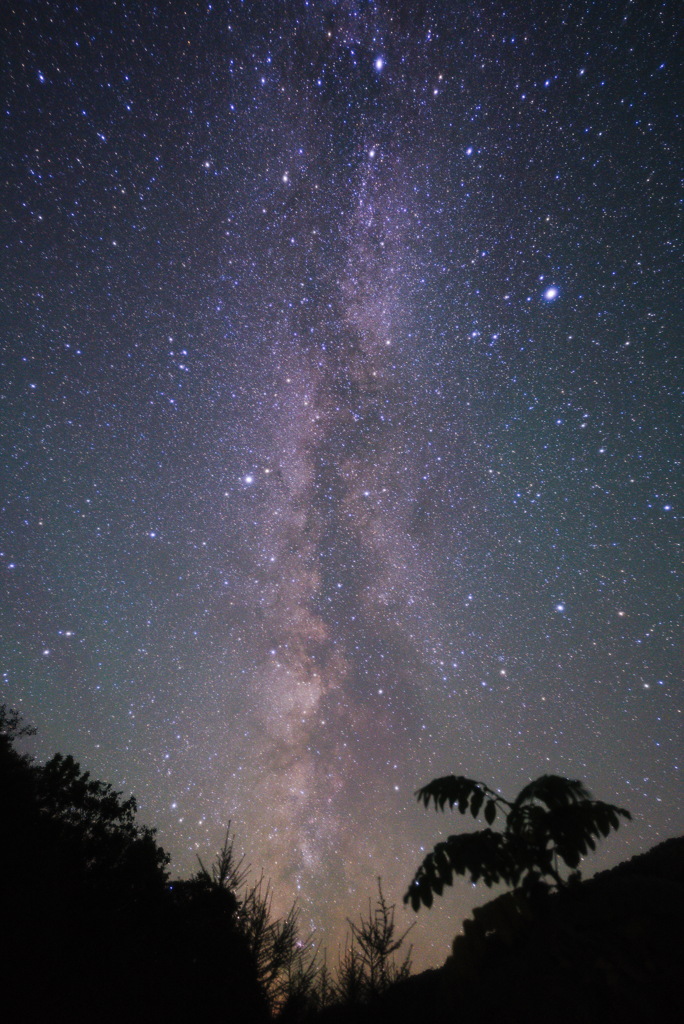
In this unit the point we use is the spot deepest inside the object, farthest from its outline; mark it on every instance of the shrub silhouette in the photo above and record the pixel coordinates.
(552, 821)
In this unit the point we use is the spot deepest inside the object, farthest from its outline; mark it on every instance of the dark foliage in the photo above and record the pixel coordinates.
(90, 928)
(551, 821)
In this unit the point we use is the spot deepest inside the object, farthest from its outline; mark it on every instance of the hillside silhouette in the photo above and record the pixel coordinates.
(607, 949)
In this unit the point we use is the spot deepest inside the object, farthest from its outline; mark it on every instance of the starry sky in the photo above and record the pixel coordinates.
(340, 438)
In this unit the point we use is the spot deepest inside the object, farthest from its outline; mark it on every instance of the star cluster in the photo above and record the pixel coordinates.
(340, 438)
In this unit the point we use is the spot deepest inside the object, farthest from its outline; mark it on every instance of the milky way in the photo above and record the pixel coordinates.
(339, 378)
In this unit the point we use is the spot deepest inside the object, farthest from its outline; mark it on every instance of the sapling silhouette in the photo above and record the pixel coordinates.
(552, 821)
(368, 967)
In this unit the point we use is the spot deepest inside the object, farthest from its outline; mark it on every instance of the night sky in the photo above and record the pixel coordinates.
(340, 439)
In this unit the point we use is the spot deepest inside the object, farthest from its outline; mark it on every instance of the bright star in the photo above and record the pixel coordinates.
(551, 293)
(379, 63)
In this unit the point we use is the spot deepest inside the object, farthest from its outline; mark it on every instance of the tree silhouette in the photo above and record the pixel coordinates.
(82, 890)
(91, 929)
(368, 967)
(67, 828)
(552, 821)
(284, 963)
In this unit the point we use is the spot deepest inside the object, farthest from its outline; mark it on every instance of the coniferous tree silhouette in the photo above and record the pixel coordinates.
(284, 963)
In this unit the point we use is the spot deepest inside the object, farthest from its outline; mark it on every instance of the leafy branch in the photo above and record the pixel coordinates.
(551, 820)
